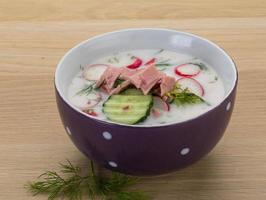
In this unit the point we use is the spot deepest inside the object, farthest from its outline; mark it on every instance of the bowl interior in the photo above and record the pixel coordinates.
(130, 39)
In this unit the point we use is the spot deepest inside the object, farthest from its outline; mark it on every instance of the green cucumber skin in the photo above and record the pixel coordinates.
(137, 121)
(132, 91)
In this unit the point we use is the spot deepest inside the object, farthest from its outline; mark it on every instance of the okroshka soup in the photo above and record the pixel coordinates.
(145, 87)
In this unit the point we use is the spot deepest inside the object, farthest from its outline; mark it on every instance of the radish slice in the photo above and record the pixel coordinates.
(151, 61)
(192, 84)
(136, 64)
(87, 101)
(187, 70)
(160, 104)
(94, 72)
(155, 112)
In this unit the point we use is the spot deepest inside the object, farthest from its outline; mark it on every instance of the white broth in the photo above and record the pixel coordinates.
(201, 79)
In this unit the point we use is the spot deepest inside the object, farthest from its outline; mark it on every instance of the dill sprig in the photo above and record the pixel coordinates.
(201, 65)
(113, 60)
(184, 96)
(159, 51)
(87, 89)
(73, 186)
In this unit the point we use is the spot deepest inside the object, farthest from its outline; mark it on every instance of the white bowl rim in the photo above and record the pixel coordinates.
(143, 29)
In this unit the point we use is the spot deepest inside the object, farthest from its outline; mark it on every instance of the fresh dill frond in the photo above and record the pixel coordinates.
(87, 89)
(163, 64)
(72, 185)
(202, 66)
(158, 52)
(113, 60)
(183, 97)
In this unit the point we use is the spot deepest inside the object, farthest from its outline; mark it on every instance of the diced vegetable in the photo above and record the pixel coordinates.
(91, 112)
(151, 61)
(136, 64)
(128, 109)
(94, 72)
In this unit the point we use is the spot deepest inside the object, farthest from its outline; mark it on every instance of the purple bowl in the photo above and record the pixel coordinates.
(145, 150)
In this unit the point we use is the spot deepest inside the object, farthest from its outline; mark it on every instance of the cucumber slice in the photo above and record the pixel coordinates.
(132, 91)
(128, 109)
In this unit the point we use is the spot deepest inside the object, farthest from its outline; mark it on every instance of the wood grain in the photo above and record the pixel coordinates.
(33, 139)
(118, 9)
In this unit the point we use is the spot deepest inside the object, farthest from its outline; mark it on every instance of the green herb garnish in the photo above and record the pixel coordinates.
(87, 89)
(72, 185)
(81, 67)
(118, 82)
(113, 60)
(184, 96)
(162, 65)
(202, 66)
(158, 52)
(214, 80)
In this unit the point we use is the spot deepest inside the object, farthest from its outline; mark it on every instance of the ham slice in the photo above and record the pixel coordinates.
(127, 73)
(144, 79)
(109, 77)
(120, 87)
(167, 84)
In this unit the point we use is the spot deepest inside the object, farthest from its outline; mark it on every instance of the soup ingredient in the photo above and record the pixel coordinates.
(187, 70)
(156, 112)
(71, 183)
(151, 61)
(127, 109)
(136, 64)
(167, 84)
(91, 112)
(132, 91)
(183, 97)
(156, 76)
(193, 85)
(143, 79)
(160, 104)
(94, 72)
(87, 89)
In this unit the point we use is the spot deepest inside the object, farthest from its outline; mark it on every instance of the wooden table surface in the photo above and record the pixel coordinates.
(35, 34)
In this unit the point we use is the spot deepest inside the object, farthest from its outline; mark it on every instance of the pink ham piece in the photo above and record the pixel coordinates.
(127, 73)
(146, 78)
(110, 75)
(167, 84)
(120, 87)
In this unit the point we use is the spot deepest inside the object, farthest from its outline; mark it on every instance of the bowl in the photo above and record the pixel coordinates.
(145, 150)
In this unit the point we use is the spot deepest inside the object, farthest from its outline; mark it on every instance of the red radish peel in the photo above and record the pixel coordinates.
(136, 64)
(160, 104)
(193, 85)
(151, 61)
(179, 70)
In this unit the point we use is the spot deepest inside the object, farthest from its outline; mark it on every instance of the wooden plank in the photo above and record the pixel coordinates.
(50, 10)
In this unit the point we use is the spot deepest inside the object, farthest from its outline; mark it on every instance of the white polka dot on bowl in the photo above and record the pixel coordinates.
(107, 135)
(112, 164)
(68, 131)
(184, 151)
(228, 106)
